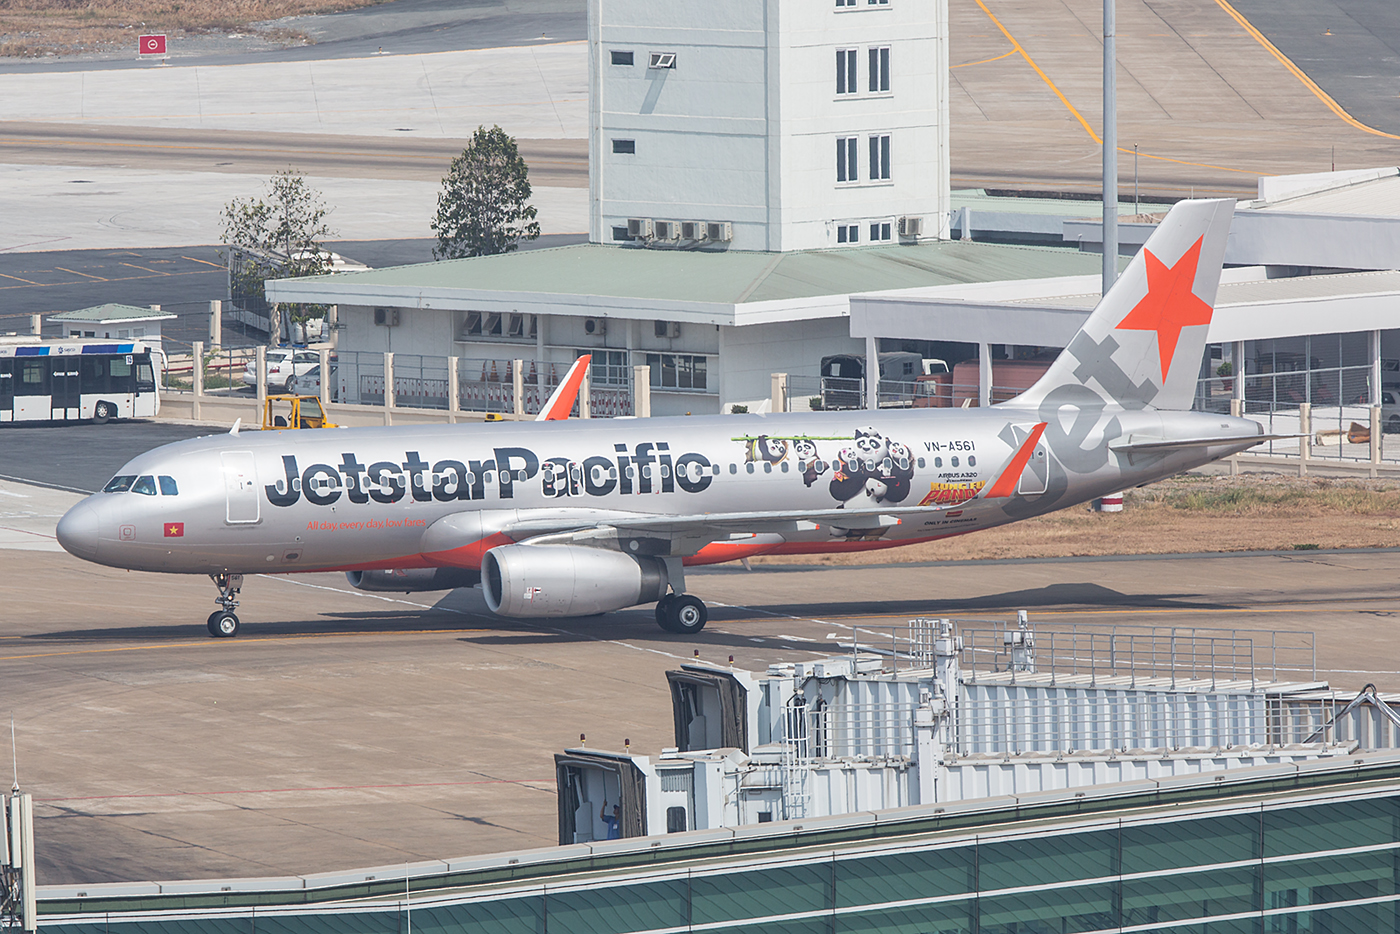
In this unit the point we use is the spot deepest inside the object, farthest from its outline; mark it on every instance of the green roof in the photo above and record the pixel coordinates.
(730, 277)
(113, 312)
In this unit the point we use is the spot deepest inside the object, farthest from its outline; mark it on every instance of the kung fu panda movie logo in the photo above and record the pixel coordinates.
(872, 470)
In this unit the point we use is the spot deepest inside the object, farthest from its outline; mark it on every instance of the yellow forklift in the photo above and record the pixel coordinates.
(289, 411)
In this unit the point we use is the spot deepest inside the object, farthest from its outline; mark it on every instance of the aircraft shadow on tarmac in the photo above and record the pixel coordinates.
(463, 610)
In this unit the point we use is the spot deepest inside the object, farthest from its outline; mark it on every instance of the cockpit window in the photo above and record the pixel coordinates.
(144, 485)
(168, 487)
(119, 484)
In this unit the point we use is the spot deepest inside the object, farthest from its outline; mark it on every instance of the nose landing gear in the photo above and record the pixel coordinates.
(223, 623)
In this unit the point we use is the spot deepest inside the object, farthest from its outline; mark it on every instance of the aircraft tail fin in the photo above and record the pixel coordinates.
(1142, 344)
(561, 402)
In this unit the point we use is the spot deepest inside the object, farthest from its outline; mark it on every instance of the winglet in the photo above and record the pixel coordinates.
(1005, 484)
(561, 403)
(237, 423)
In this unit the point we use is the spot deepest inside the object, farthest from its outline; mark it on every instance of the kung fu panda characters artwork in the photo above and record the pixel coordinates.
(805, 450)
(873, 470)
(764, 448)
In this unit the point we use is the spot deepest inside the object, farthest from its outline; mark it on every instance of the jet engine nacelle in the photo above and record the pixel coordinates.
(567, 580)
(408, 580)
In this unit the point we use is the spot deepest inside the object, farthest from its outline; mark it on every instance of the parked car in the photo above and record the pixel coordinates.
(1390, 410)
(283, 363)
(309, 383)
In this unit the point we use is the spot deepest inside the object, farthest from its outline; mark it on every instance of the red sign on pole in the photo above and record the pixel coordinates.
(152, 45)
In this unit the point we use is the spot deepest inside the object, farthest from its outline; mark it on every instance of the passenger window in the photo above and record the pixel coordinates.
(921, 463)
(168, 487)
(145, 486)
(938, 462)
(733, 468)
(767, 466)
(749, 466)
(972, 460)
(955, 461)
(785, 466)
(119, 484)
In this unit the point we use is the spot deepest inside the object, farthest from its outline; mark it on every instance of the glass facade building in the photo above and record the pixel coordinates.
(1210, 857)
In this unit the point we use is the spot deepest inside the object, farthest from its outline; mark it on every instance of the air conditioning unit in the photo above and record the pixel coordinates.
(911, 226)
(670, 329)
(595, 327)
(666, 230)
(692, 230)
(639, 228)
(386, 317)
(661, 60)
(719, 231)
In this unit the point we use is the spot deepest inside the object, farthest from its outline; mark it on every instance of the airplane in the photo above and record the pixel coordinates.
(584, 517)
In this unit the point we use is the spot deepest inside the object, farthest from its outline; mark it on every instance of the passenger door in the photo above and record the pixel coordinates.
(64, 390)
(32, 389)
(240, 487)
(7, 390)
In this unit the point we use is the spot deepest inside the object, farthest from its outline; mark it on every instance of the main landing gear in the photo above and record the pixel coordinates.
(222, 622)
(681, 613)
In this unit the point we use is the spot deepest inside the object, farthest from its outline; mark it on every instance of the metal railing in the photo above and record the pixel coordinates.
(1171, 653)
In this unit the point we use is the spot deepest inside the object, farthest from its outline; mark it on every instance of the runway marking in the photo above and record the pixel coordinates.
(1016, 47)
(76, 273)
(204, 261)
(985, 60)
(144, 269)
(30, 281)
(279, 791)
(245, 640)
(55, 285)
(1298, 73)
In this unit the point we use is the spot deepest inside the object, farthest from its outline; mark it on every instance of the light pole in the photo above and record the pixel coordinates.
(1110, 149)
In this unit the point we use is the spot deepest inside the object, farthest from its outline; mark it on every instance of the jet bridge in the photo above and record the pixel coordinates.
(946, 710)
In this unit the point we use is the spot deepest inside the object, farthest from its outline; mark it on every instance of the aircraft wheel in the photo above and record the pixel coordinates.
(664, 611)
(102, 413)
(683, 614)
(223, 624)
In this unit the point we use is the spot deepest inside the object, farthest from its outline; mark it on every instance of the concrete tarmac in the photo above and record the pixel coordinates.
(345, 729)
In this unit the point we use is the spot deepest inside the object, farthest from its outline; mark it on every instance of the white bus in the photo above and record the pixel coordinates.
(69, 380)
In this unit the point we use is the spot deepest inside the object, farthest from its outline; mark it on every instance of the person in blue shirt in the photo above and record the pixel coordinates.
(613, 820)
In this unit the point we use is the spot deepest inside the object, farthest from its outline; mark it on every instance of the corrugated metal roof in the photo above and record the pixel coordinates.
(731, 277)
(113, 312)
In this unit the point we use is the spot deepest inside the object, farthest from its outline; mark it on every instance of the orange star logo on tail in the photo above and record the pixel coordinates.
(1169, 304)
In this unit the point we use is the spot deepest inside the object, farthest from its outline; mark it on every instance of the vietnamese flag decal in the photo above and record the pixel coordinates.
(174, 530)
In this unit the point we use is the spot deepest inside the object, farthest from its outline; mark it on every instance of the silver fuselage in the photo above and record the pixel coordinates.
(361, 498)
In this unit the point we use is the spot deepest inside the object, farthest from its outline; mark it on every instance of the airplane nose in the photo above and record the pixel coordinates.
(77, 531)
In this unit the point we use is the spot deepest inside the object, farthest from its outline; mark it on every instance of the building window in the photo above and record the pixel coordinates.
(629, 146)
(846, 159)
(609, 367)
(495, 325)
(848, 233)
(880, 157)
(846, 71)
(621, 58)
(662, 60)
(877, 2)
(879, 69)
(879, 231)
(676, 371)
(620, 233)
(845, 3)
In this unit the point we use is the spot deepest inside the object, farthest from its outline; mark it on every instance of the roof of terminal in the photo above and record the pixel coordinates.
(113, 313)
(730, 278)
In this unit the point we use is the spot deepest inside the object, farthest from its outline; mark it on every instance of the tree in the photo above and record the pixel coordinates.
(277, 238)
(483, 206)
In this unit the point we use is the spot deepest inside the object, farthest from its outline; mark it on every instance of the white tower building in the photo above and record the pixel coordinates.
(768, 124)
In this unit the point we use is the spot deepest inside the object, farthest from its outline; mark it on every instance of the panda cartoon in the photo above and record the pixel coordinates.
(764, 448)
(857, 466)
(895, 473)
(805, 450)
